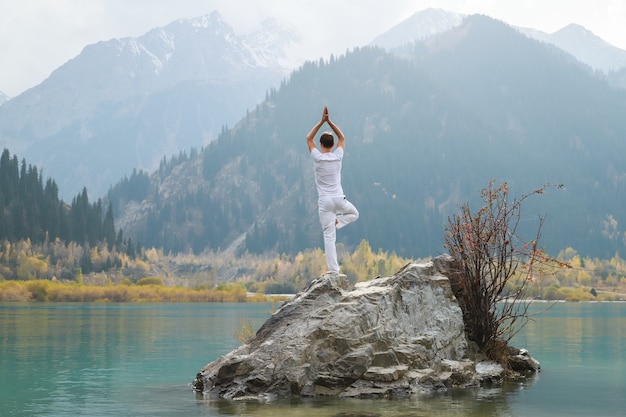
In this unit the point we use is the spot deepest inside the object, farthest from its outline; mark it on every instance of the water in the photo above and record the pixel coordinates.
(139, 360)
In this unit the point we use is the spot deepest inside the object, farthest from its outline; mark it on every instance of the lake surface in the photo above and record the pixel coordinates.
(140, 359)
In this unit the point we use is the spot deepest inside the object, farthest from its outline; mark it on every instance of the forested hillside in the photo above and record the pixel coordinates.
(425, 132)
(41, 236)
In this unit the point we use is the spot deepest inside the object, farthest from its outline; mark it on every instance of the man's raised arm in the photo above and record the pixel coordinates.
(338, 132)
(310, 138)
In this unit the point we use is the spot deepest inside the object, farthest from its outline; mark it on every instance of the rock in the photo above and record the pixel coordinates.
(490, 372)
(519, 360)
(390, 336)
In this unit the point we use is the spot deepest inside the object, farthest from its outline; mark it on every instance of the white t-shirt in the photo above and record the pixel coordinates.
(328, 172)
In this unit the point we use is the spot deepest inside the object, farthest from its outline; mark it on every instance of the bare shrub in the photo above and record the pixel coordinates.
(493, 267)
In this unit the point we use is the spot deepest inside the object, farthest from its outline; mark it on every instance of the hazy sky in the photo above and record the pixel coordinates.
(38, 36)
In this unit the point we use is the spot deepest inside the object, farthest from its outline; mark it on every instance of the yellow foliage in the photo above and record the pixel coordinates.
(152, 255)
(246, 332)
(150, 281)
(579, 294)
(38, 289)
(25, 261)
(584, 278)
(95, 256)
(30, 267)
(42, 290)
(553, 292)
(140, 267)
(13, 291)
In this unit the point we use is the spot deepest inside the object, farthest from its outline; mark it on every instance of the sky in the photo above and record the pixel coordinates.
(38, 36)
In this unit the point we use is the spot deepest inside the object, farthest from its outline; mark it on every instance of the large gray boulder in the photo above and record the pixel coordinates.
(395, 335)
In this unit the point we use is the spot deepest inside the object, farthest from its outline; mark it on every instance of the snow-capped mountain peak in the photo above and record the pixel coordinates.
(420, 25)
(118, 95)
(213, 19)
(270, 43)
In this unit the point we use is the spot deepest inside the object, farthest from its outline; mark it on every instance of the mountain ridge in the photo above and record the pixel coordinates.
(115, 91)
(583, 44)
(125, 103)
(573, 38)
(424, 135)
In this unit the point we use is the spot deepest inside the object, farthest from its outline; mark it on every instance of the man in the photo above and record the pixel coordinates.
(334, 210)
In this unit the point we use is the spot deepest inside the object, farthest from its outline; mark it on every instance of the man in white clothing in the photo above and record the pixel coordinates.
(334, 210)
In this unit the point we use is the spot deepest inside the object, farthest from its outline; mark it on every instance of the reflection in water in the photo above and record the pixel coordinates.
(477, 402)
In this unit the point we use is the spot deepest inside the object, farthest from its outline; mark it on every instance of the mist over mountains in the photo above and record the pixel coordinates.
(425, 133)
(583, 45)
(126, 103)
(419, 26)
(453, 102)
(574, 39)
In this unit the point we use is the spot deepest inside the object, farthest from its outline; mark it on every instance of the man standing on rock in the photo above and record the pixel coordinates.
(334, 210)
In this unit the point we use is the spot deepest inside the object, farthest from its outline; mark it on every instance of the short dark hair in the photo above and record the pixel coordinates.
(327, 140)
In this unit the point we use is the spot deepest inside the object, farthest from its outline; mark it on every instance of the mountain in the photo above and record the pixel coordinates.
(3, 98)
(584, 45)
(424, 134)
(419, 26)
(125, 103)
(573, 39)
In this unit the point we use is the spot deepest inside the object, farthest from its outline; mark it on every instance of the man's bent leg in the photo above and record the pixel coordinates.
(349, 213)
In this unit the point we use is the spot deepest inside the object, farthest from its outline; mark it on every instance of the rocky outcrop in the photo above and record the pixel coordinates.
(389, 336)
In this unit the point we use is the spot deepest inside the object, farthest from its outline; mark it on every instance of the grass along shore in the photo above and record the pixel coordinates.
(49, 291)
(152, 290)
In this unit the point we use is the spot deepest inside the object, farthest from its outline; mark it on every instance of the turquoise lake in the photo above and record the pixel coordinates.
(140, 359)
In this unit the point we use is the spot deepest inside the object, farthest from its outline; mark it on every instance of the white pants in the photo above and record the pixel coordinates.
(331, 210)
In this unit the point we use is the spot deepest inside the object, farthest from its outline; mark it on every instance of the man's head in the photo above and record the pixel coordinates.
(327, 140)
